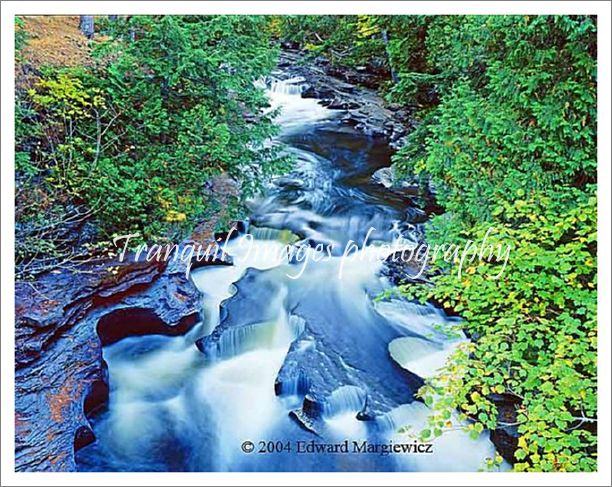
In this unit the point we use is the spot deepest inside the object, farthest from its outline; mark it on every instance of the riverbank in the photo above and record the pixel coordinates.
(65, 316)
(353, 92)
(62, 320)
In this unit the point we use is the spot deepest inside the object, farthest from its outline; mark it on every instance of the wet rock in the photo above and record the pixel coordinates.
(98, 395)
(333, 363)
(385, 177)
(138, 321)
(318, 372)
(60, 375)
(339, 104)
(211, 256)
(505, 438)
(403, 267)
(305, 421)
(83, 437)
(318, 92)
(245, 320)
(422, 194)
(351, 90)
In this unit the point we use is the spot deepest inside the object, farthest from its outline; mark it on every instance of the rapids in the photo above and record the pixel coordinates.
(289, 360)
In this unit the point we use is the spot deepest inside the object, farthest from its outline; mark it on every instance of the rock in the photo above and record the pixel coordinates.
(423, 195)
(318, 92)
(505, 438)
(402, 267)
(320, 369)
(62, 321)
(138, 321)
(386, 177)
(332, 363)
(339, 104)
(242, 318)
(352, 90)
(214, 258)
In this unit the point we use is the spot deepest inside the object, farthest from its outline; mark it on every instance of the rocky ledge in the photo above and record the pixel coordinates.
(351, 90)
(62, 321)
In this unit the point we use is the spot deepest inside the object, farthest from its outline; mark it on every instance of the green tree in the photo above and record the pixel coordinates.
(512, 146)
(133, 141)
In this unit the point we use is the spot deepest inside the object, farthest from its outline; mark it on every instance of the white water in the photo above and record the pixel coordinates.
(179, 408)
(287, 93)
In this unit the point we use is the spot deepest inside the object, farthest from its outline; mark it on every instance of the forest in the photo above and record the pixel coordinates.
(129, 135)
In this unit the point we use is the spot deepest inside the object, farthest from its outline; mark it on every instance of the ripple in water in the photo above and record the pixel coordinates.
(317, 340)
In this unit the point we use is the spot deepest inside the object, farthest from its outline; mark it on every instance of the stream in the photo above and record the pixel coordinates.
(293, 351)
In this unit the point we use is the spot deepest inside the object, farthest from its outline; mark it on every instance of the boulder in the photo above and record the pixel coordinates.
(403, 267)
(62, 321)
(505, 437)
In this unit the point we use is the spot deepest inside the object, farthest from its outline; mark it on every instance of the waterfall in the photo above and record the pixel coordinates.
(295, 111)
(289, 359)
(291, 86)
(267, 233)
(344, 399)
(267, 335)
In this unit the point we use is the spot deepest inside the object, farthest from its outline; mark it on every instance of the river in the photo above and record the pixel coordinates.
(293, 351)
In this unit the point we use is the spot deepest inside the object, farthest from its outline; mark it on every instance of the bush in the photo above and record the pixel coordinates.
(133, 141)
(512, 146)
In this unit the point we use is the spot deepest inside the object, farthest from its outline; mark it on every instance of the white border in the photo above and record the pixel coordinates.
(9, 9)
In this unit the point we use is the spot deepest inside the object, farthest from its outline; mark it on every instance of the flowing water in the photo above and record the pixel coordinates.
(293, 350)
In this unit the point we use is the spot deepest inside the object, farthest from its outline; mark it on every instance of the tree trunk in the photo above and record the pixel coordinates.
(385, 38)
(86, 25)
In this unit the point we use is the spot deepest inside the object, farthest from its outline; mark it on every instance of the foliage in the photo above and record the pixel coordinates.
(134, 140)
(20, 35)
(387, 44)
(343, 39)
(507, 123)
(506, 136)
(534, 333)
(512, 146)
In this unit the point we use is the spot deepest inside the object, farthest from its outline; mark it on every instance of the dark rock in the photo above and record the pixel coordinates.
(97, 397)
(290, 45)
(60, 376)
(83, 437)
(422, 193)
(505, 437)
(340, 104)
(125, 322)
(319, 92)
(402, 267)
(212, 256)
(348, 89)
(319, 371)
(305, 421)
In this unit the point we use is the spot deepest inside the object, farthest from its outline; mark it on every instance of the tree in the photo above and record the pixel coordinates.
(133, 140)
(86, 24)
